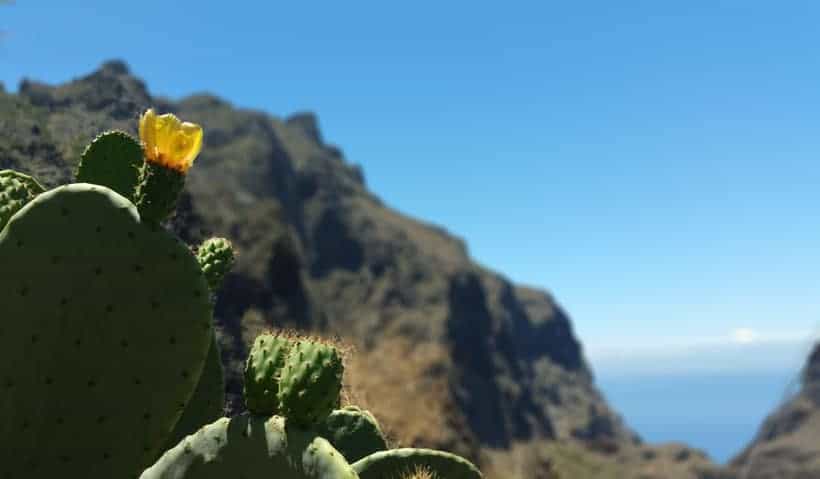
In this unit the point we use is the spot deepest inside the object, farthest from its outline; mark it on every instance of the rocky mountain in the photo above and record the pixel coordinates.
(448, 354)
(787, 445)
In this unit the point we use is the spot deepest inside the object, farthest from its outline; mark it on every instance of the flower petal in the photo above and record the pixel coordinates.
(193, 133)
(166, 126)
(170, 142)
(148, 134)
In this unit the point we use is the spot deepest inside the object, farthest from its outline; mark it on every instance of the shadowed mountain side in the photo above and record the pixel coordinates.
(486, 368)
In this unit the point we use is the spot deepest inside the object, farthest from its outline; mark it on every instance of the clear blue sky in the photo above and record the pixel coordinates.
(654, 164)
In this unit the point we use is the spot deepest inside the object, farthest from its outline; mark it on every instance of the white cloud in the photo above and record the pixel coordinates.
(744, 336)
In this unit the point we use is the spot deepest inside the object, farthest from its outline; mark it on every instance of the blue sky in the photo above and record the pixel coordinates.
(654, 165)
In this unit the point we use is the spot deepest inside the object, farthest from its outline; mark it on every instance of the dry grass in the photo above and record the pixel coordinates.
(398, 384)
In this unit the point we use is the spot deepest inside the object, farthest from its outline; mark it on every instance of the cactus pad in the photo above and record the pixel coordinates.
(208, 402)
(251, 447)
(395, 463)
(16, 189)
(354, 432)
(105, 326)
(262, 371)
(114, 160)
(215, 256)
(310, 383)
(158, 191)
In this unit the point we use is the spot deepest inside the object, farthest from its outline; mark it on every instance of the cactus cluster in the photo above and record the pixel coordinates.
(292, 385)
(110, 354)
(106, 326)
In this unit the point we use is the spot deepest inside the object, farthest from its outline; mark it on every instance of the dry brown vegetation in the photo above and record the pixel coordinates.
(403, 386)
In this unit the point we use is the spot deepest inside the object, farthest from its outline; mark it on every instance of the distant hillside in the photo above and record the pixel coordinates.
(448, 354)
(787, 446)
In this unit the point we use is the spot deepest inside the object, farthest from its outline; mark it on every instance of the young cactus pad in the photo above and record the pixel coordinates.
(16, 189)
(215, 257)
(251, 447)
(395, 463)
(311, 382)
(113, 159)
(354, 432)
(262, 371)
(105, 327)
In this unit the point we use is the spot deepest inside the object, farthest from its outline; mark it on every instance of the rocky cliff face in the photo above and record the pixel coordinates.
(448, 354)
(787, 446)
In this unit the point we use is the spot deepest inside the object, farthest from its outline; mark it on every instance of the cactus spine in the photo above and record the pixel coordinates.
(394, 463)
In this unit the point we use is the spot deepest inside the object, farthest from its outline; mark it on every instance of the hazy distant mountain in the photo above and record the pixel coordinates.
(449, 354)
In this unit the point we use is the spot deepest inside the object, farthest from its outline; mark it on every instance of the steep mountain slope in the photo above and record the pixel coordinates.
(449, 354)
(787, 446)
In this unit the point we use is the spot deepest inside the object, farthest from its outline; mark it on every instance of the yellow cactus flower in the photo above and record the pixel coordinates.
(169, 142)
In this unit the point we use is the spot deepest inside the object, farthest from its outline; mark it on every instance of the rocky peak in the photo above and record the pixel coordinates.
(307, 123)
(111, 89)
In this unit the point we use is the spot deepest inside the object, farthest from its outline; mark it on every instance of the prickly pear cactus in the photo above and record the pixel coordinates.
(170, 147)
(310, 383)
(113, 159)
(262, 371)
(251, 447)
(215, 256)
(395, 463)
(105, 327)
(354, 432)
(208, 402)
(16, 189)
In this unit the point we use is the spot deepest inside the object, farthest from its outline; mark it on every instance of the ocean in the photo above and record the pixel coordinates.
(716, 412)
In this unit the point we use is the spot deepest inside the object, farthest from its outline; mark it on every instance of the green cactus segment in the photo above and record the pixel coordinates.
(321, 459)
(113, 159)
(16, 189)
(251, 447)
(354, 432)
(208, 402)
(310, 383)
(104, 326)
(215, 256)
(395, 463)
(158, 191)
(262, 371)
(32, 185)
